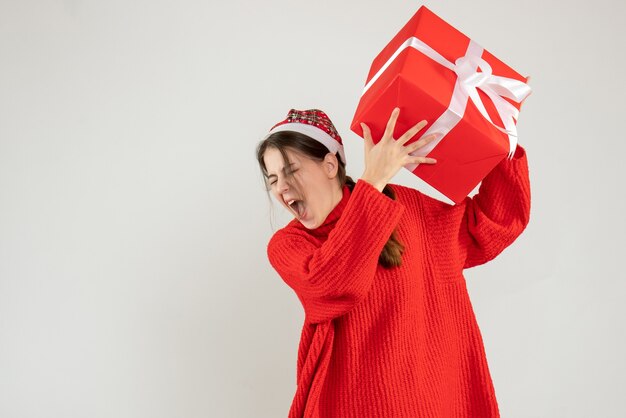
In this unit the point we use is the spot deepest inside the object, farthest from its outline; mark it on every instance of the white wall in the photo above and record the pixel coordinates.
(133, 221)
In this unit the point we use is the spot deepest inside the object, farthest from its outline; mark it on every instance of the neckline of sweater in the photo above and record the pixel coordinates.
(330, 220)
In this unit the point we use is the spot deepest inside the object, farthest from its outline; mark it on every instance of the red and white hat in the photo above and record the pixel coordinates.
(315, 124)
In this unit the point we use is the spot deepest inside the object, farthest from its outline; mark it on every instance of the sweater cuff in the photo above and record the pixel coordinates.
(371, 190)
(517, 163)
(519, 153)
(369, 199)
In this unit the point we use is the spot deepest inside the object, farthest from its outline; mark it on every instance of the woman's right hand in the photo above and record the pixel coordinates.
(388, 156)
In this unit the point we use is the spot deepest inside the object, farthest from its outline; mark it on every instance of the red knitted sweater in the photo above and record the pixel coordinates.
(399, 342)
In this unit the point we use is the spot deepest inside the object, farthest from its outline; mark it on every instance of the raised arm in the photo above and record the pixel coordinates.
(500, 211)
(331, 278)
(488, 222)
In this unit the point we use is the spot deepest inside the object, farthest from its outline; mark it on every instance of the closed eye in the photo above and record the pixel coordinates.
(289, 173)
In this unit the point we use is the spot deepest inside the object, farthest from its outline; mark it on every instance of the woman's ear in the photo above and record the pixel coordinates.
(331, 165)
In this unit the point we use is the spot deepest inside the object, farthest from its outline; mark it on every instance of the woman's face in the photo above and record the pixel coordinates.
(320, 191)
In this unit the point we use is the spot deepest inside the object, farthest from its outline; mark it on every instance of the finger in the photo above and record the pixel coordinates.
(367, 136)
(391, 123)
(423, 160)
(422, 142)
(411, 132)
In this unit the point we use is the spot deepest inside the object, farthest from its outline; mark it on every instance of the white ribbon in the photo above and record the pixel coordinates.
(468, 81)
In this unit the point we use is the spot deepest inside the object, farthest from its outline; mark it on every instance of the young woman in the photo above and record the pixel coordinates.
(389, 328)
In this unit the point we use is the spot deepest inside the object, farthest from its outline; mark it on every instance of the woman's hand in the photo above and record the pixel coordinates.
(384, 160)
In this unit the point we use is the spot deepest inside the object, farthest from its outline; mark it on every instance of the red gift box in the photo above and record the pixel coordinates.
(469, 98)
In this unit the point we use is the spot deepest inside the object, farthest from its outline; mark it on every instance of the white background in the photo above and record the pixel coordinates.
(133, 220)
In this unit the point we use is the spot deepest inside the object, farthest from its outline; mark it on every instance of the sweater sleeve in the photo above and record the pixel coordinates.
(332, 277)
(491, 220)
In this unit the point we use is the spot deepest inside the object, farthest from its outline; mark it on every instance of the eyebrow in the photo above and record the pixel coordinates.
(283, 170)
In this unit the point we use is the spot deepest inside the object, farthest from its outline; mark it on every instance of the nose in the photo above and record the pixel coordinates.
(281, 184)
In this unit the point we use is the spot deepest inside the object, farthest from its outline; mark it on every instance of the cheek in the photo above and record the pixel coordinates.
(311, 180)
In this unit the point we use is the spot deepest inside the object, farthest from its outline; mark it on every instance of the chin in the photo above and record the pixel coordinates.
(310, 224)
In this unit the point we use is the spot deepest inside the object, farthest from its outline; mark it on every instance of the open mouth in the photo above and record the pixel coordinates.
(297, 206)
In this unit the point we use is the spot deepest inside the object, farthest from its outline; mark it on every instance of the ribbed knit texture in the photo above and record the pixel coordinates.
(399, 342)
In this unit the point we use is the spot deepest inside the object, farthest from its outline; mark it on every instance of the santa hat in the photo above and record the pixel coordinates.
(315, 124)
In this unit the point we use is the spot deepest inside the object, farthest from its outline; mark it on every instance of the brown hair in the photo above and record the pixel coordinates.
(391, 255)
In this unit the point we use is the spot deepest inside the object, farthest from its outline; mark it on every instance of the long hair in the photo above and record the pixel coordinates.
(391, 255)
